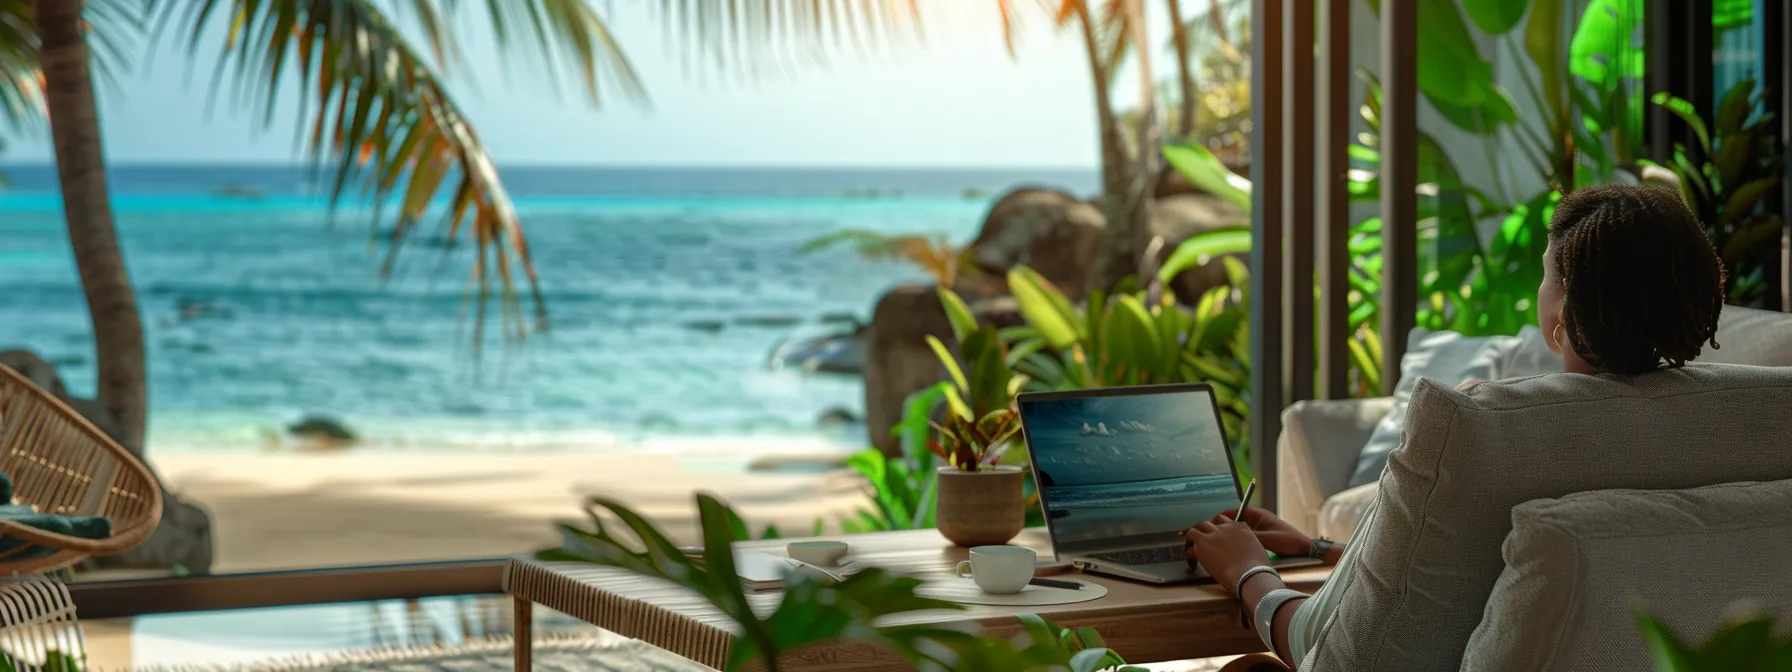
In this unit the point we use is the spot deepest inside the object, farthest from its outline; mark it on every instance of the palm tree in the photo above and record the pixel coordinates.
(1185, 77)
(1108, 34)
(375, 110)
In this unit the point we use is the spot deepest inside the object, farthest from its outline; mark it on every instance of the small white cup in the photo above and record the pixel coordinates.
(999, 570)
(820, 553)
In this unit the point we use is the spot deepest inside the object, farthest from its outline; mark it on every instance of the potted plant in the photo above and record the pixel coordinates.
(980, 503)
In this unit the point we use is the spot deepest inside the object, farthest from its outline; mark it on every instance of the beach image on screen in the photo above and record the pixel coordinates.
(1126, 466)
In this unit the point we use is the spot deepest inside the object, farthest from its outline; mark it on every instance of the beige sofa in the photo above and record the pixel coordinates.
(1519, 521)
(1321, 440)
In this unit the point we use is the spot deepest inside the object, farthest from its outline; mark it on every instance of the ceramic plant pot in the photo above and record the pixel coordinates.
(986, 507)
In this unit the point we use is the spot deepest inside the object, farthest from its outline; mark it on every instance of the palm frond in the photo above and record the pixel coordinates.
(744, 35)
(373, 104)
(21, 75)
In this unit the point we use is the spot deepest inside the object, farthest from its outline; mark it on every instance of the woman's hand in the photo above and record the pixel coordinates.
(1226, 548)
(1275, 534)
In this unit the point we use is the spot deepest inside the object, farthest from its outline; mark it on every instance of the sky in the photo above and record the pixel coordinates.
(1099, 440)
(957, 99)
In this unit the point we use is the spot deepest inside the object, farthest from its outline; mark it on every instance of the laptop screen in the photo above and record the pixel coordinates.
(1133, 468)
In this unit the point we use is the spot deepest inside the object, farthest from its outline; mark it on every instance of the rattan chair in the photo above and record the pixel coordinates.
(62, 464)
(37, 620)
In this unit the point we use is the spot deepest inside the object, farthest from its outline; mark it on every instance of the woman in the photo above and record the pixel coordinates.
(1630, 285)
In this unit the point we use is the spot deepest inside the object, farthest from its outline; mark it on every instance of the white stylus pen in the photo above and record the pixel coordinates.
(1249, 489)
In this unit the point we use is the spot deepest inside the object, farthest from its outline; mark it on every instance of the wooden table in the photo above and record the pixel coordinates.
(1145, 623)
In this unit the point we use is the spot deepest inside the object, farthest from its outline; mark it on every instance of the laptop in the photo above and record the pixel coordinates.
(1123, 471)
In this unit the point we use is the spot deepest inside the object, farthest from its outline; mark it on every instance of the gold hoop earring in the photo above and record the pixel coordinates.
(1557, 335)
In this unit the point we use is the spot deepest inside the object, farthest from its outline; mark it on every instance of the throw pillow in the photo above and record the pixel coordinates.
(1443, 356)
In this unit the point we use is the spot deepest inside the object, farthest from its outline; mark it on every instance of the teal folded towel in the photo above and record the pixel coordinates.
(81, 527)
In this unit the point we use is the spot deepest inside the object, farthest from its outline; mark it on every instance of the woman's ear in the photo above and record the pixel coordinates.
(1556, 334)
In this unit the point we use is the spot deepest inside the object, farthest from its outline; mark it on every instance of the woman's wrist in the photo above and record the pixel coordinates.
(1252, 590)
(1333, 554)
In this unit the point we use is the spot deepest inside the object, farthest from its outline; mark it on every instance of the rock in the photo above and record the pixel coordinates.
(834, 353)
(998, 311)
(1177, 218)
(898, 362)
(708, 326)
(321, 427)
(183, 541)
(1044, 229)
(768, 320)
(835, 417)
(842, 318)
(184, 537)
(36, 370)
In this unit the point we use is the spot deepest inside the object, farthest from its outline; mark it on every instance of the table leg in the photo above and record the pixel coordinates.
(524, 635)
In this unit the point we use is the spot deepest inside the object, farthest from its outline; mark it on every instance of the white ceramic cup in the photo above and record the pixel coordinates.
(999, 570)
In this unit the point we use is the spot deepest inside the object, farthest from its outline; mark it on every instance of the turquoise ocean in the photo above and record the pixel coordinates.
(667, 289)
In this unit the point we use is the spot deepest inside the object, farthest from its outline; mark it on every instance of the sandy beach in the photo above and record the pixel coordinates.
(303, 511)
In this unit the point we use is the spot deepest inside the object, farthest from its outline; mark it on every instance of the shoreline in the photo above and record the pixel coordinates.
(283, 511)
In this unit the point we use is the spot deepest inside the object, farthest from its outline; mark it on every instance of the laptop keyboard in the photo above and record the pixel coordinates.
(1147, 556)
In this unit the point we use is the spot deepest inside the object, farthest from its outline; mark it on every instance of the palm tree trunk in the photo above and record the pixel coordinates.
(81, 168)
(1114, 165)
(1114, 259)
(1185, 121)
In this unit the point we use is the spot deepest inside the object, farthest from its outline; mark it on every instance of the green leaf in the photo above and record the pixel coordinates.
(1743, 199)
(1735, 108)
(950, 362)
(957, 313)
(1688, 114)
(989, 374)
(957, 404)
(1495, 17)
(1091, 660)
(1201, 168)
(1132, 342)
(1543, 43)
(1454, 71)
(1203, 247)
(1744, 241)
(1043, 307)
(1044, 633)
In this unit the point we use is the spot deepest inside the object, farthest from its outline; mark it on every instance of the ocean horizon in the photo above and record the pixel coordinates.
(667, 289)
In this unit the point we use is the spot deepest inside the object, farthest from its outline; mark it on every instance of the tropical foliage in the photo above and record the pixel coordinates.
(1747, 645)
(980, 419)
(54, 661)
(1131, 338)
(1734, 168)
(813, 610)
(936, 255)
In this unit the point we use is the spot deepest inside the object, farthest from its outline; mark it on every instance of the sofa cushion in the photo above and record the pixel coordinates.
(1433, 552)
(1577, 567)
(1450, 358)
(1749, 336)
(1340, 515)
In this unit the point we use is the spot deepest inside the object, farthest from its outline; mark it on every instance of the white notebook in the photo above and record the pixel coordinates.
(765, 571)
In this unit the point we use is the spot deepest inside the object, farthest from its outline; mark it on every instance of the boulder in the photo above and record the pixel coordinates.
(183, 539)
(1044, 229)
(898, 362)
(321, 427)
(1177, 218)
(842, 352)
(36, 370)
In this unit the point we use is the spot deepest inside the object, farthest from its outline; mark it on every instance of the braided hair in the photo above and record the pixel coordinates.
(1642, 284)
